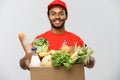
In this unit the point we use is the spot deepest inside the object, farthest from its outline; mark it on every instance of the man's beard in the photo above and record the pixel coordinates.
(57, 27)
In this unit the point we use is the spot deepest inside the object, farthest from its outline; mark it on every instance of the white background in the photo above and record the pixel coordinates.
(97, 22)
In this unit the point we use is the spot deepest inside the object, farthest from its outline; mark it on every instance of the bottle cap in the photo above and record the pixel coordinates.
(34, 49)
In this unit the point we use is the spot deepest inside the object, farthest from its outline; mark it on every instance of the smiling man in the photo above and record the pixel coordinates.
(57, 15)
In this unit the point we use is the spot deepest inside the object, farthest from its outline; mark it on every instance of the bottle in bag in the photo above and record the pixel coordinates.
(35, 61)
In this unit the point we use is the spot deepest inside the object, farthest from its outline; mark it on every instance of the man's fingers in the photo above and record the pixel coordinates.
(27, 64)
(89, 62)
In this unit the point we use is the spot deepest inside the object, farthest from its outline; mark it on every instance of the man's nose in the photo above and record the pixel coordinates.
(57, 16)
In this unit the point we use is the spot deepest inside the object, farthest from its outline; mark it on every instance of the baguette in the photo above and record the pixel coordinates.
(25, 43)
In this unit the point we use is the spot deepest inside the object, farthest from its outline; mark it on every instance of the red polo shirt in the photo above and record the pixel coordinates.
(56, 40)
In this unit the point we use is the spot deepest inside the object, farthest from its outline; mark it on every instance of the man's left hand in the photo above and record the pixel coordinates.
(89, 62)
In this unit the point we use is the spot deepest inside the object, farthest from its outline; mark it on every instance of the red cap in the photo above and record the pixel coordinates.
(57, 3)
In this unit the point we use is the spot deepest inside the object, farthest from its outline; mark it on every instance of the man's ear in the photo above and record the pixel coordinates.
(66, 18)
(48, 17)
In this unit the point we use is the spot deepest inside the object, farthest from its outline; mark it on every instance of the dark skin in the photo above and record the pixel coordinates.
(57, 17)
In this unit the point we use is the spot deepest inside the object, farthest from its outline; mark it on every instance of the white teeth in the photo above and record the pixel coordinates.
(57, 21)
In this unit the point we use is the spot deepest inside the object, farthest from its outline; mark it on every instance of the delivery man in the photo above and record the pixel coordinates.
(57, 15)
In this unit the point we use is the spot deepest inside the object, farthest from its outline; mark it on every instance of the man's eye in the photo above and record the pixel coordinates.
(52, 14)
(61, 14)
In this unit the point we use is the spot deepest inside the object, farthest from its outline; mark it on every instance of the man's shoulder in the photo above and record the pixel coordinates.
(42, 35)
(72, 34)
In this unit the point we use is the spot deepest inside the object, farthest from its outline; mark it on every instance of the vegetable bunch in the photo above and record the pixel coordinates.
(81, 54)
(41, 44)
(61, 58)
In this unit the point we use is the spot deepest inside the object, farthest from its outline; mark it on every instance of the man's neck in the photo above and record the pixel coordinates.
(58, 31)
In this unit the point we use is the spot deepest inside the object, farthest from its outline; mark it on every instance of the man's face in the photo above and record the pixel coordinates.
(57, 16)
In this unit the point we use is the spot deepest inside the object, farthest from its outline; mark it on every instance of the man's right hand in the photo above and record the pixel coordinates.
(25, 62)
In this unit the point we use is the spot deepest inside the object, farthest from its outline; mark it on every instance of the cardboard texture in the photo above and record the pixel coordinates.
(58, 73)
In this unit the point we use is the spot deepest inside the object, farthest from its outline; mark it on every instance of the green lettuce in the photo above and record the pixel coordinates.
(41, 44)
(61, 58)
